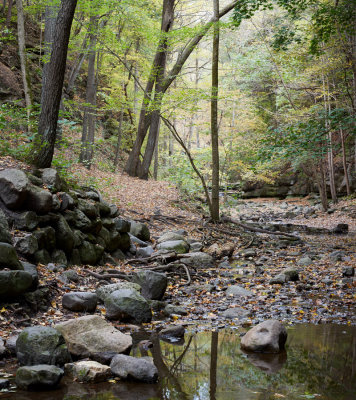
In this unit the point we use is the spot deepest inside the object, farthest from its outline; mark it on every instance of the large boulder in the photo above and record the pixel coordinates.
(41, 345)
(5, 235)
(178, 246)
(92, 334)
(14, 283)
(238, 291)
(88, 371)
(169, 236)
(122, 225)
(127, 304)
(140, 230)
(13, 187)
(8, 257)
(153, 284)
(39, 200)
(139, 369)
(88, 208)
(46, 238)
(32, 270)
(27, 221)
(268, 337)
(80, 301)
(38, 377)
(88, 253)
(103, 291)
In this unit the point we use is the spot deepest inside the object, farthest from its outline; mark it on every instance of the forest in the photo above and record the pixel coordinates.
(177, 199)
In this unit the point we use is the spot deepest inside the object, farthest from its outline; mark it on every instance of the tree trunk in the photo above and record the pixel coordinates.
(119, 137)
(52, 92)
(77, 66)
(213, 364)
(214, 212)
(88, 133)
(9, 12)
(132, 165)
(23, 60)
(155, 163)
(347, 181)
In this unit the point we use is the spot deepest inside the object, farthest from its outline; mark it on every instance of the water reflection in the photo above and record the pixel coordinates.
(321, 364)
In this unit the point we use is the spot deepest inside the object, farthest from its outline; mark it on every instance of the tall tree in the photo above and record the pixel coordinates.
(214, 117)
(23, 59)
(52, 91)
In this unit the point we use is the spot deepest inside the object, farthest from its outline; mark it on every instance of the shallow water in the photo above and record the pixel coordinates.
(319, 363)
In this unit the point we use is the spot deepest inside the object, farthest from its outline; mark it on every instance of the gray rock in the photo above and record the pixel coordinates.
(31, 269)
(38, 377)
(109, 223)
(196, 246)
(39, 200)
(80, 301)
(144, 252)
(88, 371)
(122, 225)
(88, 208)
(13, 187)
(138, 241)
(118, 254)
(46, 238)
(305, 261)
(104, 357)
(59, 257)
(172, 332)
(81, 221)
(103, 291)
(11, 343)
(140, 230)
(14, 283)
(64, 236)
(279, 279)
(42, 257)
(170, 236)
(51, 179)
(5, 235)
(337, 255)
(178, 246)
(56, 204)
(69, 276)
(8, 257)
(268, 337)
(198, 260)
(139, 369)
(67, 201)
(2, 348)
(249, 253)
(114, 241)
(291, 274)
(238, 291)
(4, 384)
(41, 345)
(127, 304)
(125, 242)
(88, 254)
(26, 245)
(26, 221)
(104, 209)
(235, 313)
(114, 212)
(171, 309)
(153, 284)
(92, 334)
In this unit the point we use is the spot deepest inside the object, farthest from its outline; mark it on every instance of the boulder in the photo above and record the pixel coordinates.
(4, 384)
(27, 221)
(59, 257)
(11, 343)
(41, 345)
(103, 291)
(80, 301)
(92, 334)
(236, 312)
(42, 257)
(46, 238)
(144, 252)
(172, 332)
(153, 284)
(13, 187)
(31, 269)
(8, 257)
(69, 276)
(26, 245)
(38, 377)
(104, 357)
(198, 260)
(81, 221)
(122, 225)
(88, 371)
(125, 242)
(5, 235)
(268, 337)
(104, 209)
(14, 283)
(178, 246)
(2, 348)
(39, 200)
(87, 253)
(88, 208)
(67, 201)
(305, 261)
(140, 230)
(51, 179)
(238, 291)
(127, 304)
(171, 309)
(64, 236)
(139, 369)
(169, 236)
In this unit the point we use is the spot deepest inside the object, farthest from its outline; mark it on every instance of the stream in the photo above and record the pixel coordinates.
(319, 362)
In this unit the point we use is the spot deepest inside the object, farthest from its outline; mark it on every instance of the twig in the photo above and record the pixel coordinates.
(108, 276)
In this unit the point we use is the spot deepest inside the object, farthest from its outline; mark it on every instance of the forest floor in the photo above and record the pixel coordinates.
(322, 294)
